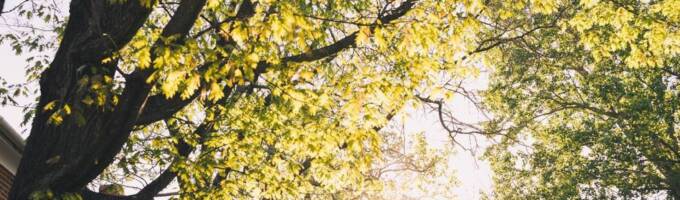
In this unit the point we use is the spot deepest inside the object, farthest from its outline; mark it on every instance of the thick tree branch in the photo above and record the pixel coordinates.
(340, 45)
(137, 90)
(159, 107)
(245, 11)
(94, 31)
(344, 43)
(169, 107)
(111, 26)
(323, 52)
(168, 175)
(152, 189)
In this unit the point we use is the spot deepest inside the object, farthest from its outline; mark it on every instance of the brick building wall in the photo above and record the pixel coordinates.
(11, 147)
(5, 182)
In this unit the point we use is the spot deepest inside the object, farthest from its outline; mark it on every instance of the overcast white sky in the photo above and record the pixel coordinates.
(474, 175)
(12, 70)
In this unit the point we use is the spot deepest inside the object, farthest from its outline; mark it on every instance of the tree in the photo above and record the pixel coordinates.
(235, 99)
(585, 98)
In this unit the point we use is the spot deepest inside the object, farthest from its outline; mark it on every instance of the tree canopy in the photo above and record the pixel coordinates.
(233, 99)
(266, 99)
(588, 105)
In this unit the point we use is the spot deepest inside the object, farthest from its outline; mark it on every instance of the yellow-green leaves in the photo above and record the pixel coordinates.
(363, 35)
(589, 3)
(239, 34)
(216, 92)
(588, 79)
(297, 129)
(58, 115)
(192, 83)
(544, 6)
(140, 48)
(171, 83)
(639, 34)
(50, 105)
(213, 4)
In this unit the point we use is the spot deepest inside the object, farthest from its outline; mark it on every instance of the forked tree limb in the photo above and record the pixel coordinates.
(64, 158)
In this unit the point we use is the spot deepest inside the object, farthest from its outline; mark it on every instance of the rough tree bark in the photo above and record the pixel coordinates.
(64, 158)
(2, 5)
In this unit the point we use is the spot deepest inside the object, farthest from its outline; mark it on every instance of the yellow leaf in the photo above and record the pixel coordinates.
(306, 75)
(215, 92)
(253, 58)
(67, 109)
(87, 100)
(363, 35)
(192, 84)
(50, 105)
(380, 38)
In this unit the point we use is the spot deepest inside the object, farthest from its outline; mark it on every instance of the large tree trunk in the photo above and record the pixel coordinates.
(63, 158)
(2, 5)
(674, 187)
